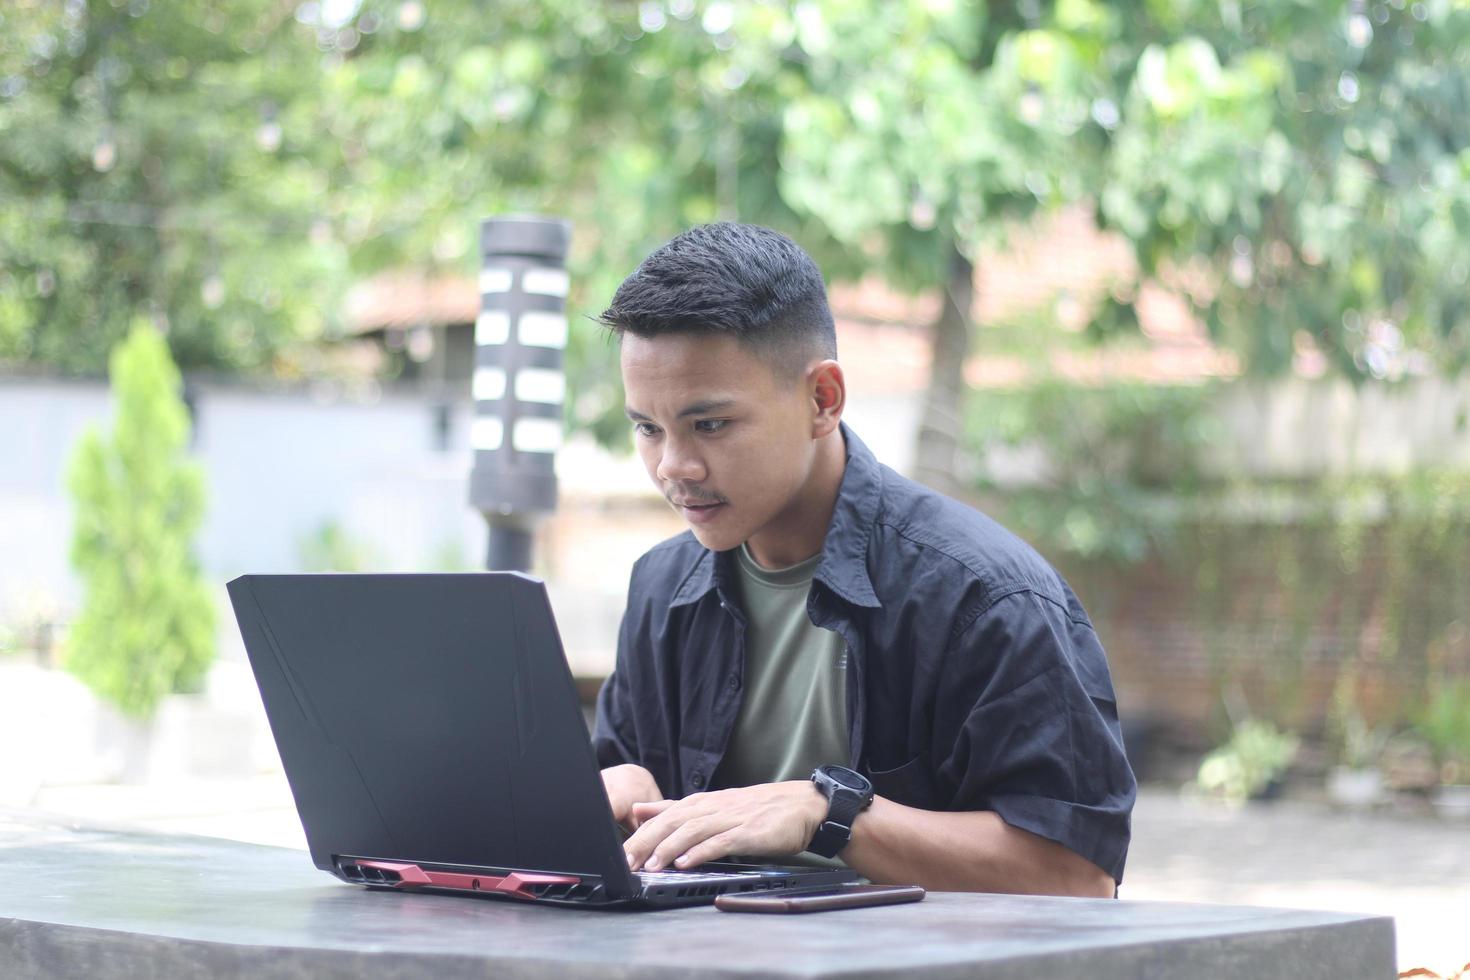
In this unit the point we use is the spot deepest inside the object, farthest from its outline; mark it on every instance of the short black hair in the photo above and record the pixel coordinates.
(739, 280)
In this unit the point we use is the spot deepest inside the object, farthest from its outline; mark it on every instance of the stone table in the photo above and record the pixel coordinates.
(104, 903)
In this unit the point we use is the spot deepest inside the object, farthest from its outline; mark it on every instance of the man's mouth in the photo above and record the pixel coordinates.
(698, 511)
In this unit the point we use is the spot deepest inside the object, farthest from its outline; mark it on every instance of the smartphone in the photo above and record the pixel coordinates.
(819, 899)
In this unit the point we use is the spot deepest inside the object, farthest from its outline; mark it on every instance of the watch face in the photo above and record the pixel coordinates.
(846, 778)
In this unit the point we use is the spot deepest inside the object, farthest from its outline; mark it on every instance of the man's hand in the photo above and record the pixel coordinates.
(769, 819)
(627, 785)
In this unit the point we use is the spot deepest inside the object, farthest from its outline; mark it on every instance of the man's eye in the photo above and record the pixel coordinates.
(645, 428)
(710, 425)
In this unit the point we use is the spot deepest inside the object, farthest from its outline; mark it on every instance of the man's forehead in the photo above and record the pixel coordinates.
(692, 368)
(703, 406)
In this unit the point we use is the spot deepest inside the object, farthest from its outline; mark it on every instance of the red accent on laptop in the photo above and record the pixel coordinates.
(516, 883)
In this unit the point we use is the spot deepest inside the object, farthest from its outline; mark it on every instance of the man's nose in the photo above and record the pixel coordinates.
(680, 463)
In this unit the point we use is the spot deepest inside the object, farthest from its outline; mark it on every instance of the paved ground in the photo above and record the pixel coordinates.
(1301, 854)
(1292, 854)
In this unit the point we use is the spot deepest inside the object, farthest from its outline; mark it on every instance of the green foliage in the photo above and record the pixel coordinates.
(1358, 744)
(161, 160)
(1311, 157)
(1445, 725)
(1256, 754)
(1114, 459)
(1297, 169)
(146, 627)
(630, 121)
(1358, 578)
(331, 548)
(917, 124)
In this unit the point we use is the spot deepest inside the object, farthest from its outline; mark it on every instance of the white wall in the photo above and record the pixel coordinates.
(278, 466)
(1299, 428)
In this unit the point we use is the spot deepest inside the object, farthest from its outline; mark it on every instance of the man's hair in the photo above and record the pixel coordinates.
(744, 281)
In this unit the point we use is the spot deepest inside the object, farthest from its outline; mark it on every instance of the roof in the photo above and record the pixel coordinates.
(1062, 261)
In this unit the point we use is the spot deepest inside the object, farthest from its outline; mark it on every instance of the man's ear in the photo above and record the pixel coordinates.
(828, 390)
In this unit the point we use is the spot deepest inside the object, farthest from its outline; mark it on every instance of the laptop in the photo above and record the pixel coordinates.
(431, 733)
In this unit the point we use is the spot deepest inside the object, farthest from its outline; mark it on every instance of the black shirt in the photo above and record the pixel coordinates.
(975, 680)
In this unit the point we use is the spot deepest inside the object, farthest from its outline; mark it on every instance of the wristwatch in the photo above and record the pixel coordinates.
(848, 793)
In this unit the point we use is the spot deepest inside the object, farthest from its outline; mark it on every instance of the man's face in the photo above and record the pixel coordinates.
(726, 439)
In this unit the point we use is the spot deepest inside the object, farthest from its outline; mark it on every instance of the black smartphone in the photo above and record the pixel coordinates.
(819, 899)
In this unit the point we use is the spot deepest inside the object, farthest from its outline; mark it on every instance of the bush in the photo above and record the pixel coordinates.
(147, 622)
(1445, 725)
(1256, 755)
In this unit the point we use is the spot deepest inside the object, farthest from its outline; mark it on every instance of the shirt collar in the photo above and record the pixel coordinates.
(844, 566)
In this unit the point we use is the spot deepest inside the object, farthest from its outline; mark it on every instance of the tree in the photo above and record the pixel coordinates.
(1297, 170)
(161, 160)
(924, 131)
(146, 627)
(633, 121)
(1312, 161)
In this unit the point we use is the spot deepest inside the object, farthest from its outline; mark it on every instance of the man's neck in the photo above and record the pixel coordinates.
(798, 533)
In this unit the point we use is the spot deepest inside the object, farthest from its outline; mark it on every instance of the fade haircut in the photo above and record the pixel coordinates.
(728, 279)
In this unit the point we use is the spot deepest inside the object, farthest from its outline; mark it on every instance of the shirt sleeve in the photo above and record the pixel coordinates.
(1031, 716)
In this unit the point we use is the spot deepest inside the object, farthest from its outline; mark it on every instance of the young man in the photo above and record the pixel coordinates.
(834, 658)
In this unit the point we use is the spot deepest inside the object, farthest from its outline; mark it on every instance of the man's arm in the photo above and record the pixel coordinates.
(972, 851)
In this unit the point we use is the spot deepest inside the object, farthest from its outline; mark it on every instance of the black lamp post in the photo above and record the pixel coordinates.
(518, 382)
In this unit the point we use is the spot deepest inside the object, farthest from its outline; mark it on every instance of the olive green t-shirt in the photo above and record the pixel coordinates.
(794, 714)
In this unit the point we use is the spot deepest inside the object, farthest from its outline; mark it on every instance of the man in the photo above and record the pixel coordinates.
(833, 657)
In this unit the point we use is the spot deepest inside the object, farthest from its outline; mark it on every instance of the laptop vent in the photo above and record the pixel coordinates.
(566, 892)
(370, 876)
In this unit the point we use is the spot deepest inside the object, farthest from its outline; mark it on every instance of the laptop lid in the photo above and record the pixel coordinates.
(429, 718)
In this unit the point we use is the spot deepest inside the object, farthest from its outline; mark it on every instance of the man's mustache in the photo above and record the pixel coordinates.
(684, 495)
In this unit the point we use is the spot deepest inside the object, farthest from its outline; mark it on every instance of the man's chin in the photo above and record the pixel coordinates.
(715, 540)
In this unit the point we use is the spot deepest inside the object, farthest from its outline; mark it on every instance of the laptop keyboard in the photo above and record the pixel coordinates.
(664, 877)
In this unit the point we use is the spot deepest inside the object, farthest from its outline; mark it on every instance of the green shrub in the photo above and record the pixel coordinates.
(1445, 725)
(146, 627)
(1256, 755)
(332, 548)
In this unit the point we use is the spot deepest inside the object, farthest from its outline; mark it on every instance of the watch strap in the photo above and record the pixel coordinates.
(836, 831)
(844, 808)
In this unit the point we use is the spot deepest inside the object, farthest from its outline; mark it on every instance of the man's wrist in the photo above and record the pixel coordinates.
(815, 808)
(847, 793)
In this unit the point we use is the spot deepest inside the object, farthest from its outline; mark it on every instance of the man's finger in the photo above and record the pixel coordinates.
(651, 808)
(651, 832)
(711, 849)
(684, 837)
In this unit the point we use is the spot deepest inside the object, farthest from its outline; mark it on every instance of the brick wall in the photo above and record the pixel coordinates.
(1271, 616)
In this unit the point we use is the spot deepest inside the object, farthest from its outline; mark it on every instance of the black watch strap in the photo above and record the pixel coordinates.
(835, 832)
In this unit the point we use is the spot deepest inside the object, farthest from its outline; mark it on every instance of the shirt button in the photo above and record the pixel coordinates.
(734, 682)
(697, 780)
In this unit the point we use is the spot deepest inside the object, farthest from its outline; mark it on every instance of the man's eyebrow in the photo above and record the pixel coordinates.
(698, 408)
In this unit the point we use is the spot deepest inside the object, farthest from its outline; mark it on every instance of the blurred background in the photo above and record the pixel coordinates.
(1176, 290)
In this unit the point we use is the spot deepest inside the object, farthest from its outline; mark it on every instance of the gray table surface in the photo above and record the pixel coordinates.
(106, 902)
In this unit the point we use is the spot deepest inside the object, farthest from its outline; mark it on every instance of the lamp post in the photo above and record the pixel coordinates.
(518, 384)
